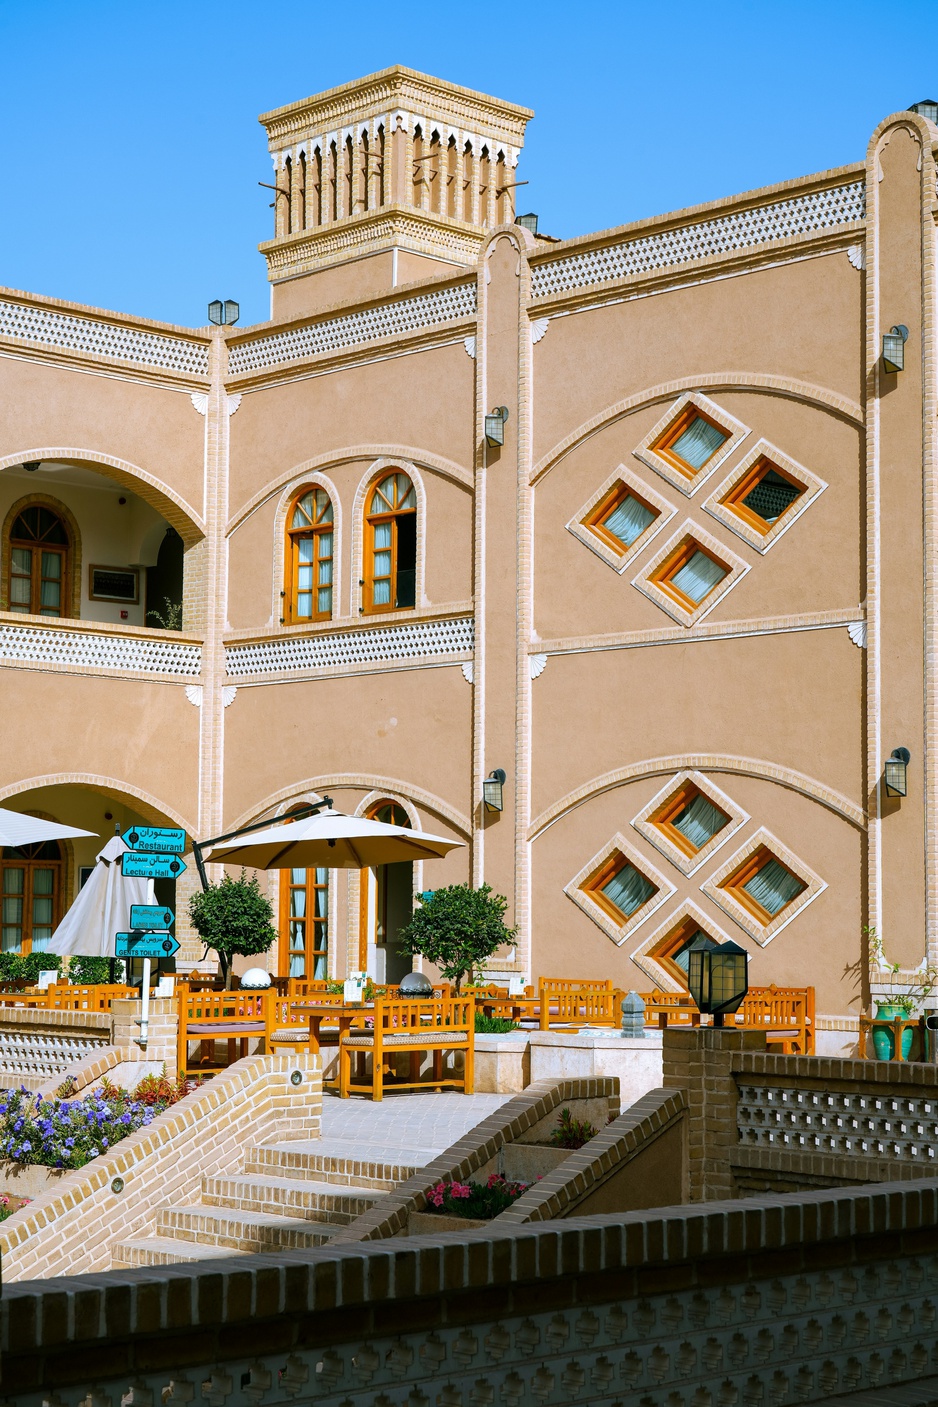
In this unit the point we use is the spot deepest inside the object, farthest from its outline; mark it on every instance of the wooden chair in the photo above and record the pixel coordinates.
(63, 997)
(568, 1002)
(207, 1017)
(785, 1014)
(435, 1025)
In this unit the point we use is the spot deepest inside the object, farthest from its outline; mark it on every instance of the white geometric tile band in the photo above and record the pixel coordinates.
(105, 339)
(392, 642)
(28, 645)
(801, 214)
(820, 1121)
(425, 310)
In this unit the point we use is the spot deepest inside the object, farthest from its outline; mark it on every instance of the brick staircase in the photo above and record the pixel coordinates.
(287, 1197)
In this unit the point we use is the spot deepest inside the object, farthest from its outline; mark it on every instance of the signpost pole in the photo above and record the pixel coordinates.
(145, 1010)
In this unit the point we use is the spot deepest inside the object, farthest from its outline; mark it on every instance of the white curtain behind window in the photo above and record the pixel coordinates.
(699, 442)
(699, 821)
(628, 890)
(698, 577)
(773, 887)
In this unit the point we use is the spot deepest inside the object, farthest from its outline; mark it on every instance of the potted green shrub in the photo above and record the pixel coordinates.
(458, 928)
(234, 918)
(899, 1004)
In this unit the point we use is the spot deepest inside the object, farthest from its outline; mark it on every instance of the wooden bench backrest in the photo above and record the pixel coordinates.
(61, 997)
(554, 985)
(584, 1005)
(223, 1007)
(455, 1013)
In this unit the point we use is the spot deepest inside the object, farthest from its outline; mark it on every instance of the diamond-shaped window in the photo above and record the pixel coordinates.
(621, 518)
(764, 495)
(690, 575)
(618, 889)
(689, 820)
(763, 886)
(663, 955)
(691, 441)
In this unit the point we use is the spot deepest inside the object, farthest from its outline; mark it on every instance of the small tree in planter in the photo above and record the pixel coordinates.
(233, 917)
(458, 928)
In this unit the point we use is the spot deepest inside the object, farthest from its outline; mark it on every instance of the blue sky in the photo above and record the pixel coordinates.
(130, 151)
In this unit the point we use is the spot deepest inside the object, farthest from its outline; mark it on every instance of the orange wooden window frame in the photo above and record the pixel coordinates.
(734, 499)
(751, 866)
(372, 520)
(663, 818)
(673, 564)
(312, 927)
(36, 547)
(669, 944)
(610, 867)
(29, 865)
(292, 560)
(608, 504)
(662, 445)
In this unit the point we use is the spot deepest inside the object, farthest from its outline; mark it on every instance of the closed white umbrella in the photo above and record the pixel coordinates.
(18, 829)
(101, 907)
(331, 840)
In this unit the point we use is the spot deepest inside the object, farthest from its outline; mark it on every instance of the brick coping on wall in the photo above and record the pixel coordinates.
(57, 1332)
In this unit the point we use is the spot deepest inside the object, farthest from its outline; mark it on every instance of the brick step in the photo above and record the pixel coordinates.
(241, 1231)
(166, 1250)
(380, 1169)
(334, 1202)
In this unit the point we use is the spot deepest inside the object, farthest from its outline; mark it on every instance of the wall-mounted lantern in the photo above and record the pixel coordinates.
(224, 314)
(32, 465)
(926, 108)
(718, 978)
(492, 794)
(894, 347)
(495, 426)
(895, 773)
(527, 222)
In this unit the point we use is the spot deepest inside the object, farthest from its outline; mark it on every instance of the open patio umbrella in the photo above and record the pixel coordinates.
(331, 840)
(101, 907)
(18, 829)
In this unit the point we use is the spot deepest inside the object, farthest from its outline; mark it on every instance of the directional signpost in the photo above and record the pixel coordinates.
(154, 854)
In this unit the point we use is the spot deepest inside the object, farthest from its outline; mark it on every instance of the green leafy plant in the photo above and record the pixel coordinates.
(570, 1132)
(19, 967)
(93, 972)
(233, 917)
(457, 928)
(170, 618)
(493, 1025)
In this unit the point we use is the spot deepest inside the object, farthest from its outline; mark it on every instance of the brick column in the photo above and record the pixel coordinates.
(699, 1060)
(161, 1030)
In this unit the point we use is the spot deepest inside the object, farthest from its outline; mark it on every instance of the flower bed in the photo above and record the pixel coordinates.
(68, 1133)
(475, 1201)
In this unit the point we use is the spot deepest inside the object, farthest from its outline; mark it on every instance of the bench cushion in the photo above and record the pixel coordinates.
(417, 1038)
(232, 1027)
(291, 1035)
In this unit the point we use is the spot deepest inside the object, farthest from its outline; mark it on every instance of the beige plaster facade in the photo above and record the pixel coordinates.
(407, 305)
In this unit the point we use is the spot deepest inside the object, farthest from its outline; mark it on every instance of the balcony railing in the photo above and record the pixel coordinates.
(93, 647)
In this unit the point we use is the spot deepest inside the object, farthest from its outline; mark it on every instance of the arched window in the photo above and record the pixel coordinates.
(310, 546)
(386, 904)
(304, 923)
(32, 896)
(391, 544)
(39, 563)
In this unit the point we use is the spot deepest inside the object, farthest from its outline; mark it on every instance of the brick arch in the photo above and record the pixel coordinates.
(61, 510)
(816, 396)
(151, 808)
(181, 515)
(392, 787)
(701, 762)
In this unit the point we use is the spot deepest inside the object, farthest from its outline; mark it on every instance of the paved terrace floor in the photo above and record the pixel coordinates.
(402, 1128)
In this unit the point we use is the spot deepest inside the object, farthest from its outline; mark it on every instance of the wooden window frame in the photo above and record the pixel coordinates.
(365, 879)
(36, 547)
(662, 951)
(733, 501)
(292, 559)
(372, 520)
(662, 445)
(29, 865)
(663, 818)
(318, 926)
(751, 866)
(661, 576)
(614, 862)
(607, 505)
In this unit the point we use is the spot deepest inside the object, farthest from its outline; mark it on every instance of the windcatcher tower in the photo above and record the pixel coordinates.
(388, 179)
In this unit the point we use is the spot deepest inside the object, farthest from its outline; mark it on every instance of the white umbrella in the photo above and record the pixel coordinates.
(101, 907)
(331, 841)
(18, 829)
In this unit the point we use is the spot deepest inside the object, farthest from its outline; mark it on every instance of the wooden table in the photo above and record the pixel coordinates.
(319, 1012)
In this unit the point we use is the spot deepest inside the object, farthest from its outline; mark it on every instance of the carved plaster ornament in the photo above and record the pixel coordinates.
(234, 401)
(200, 400)
(537, 664)
(857, 632)
(468, 671)
(857, 256)
(538, 328)
(470, 345)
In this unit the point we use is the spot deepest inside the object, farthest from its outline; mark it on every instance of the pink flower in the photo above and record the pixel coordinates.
(459, 1189)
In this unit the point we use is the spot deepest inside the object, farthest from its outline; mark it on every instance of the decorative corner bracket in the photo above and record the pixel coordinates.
(537, 664)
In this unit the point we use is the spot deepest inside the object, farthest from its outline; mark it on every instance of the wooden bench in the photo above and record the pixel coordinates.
(785, 1014)
(207, 1017)
(578, 1003)
(413, 1027)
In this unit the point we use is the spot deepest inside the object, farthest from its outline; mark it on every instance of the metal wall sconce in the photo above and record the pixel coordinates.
(32, 465)
(492, 794)
(224, 314)
(495, 426)
(527, 222)
(895, 773)
(718, 978)
(894, 347)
